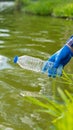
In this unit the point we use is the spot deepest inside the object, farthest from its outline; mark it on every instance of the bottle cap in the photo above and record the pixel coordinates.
(15, 59)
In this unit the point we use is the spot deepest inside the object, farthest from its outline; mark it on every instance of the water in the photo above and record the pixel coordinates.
(5, 5)
(37, 37)
(3, 62)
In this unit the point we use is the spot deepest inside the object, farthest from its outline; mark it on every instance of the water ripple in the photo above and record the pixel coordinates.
(2, 127)
(42, 40)
(1, 42)
(34, 52)
(4, 30)
(4, 35)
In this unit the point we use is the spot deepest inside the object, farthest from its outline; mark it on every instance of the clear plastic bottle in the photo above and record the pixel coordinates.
(36, 64)
(29, 63)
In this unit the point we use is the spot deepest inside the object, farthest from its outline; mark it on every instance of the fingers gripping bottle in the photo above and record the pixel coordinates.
(37, 65)
(52, 72)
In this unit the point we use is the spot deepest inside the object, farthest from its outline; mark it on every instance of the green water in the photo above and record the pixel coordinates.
(38, 37)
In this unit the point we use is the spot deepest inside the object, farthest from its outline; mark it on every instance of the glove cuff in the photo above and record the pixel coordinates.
(70, 42)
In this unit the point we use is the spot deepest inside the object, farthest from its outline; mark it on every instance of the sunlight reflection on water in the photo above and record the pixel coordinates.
(3, 127)
(4, 30)
(5, 5)
(3, 62)
(1, 42)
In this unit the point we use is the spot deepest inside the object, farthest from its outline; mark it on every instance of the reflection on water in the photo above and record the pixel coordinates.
(33, 36)
(4, 30)
(30, 94)
(4, 33)
(1, 42)
(41, 40)
(2, 127)
(5, 5)
(3, 62)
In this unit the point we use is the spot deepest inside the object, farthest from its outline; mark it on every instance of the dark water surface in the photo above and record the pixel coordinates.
(35, 36)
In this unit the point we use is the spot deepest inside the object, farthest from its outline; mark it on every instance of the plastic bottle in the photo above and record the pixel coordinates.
(29, 63)
(36, 64)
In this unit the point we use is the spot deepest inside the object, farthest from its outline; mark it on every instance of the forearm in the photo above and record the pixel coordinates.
(71, 48)
(69, 43)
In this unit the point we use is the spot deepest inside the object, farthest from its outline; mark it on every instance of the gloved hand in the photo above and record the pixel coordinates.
(60, 58)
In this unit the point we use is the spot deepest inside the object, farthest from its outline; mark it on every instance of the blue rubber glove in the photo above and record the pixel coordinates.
(61, 57)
